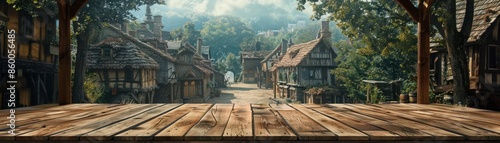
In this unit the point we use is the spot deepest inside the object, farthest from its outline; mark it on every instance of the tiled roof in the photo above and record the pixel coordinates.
(148, 49)
(124, 54)
(296, 53)
(485, 13)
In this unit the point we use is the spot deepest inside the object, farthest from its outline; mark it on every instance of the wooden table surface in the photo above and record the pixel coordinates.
(251, 122)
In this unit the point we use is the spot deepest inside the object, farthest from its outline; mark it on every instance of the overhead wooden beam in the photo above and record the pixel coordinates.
(76, 6)
(408, 6)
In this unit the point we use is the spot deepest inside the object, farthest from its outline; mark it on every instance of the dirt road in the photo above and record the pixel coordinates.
(244, 93)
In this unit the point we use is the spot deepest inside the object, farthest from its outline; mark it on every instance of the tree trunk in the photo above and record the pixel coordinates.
(455, 43)
(83, 39)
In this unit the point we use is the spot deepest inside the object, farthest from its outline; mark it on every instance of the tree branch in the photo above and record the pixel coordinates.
(468, 19)
(77, 5)
(437, 24)
(410, 8)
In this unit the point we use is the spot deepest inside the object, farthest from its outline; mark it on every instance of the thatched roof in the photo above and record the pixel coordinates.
(146, 48)
(123, 54)
(485, 14)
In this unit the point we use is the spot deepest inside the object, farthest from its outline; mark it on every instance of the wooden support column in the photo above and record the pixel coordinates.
(66, 12)
(422, 16)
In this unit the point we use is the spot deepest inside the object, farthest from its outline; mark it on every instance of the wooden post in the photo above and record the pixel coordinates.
(66, 12)
(423, 52)
(422, 16)
(64, 54)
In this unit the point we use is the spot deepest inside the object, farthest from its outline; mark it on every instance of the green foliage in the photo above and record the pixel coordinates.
(187, 33)
(93, 88)
(409, 86)
(382, 42)
(232, 64)
(225, 34)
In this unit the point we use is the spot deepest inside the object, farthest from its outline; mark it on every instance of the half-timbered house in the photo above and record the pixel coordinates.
(124, 70)
(483, 51)
(306, 64)
(33, 46)
(165, 76)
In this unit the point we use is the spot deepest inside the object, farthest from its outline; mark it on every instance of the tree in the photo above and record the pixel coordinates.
(187, 33)
(444, 20)
(232, 64)
(352, 18)
(225, 34)
(89, 21)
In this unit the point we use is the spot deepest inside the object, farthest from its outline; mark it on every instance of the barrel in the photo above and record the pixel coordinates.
(403, 98)
(412, 97)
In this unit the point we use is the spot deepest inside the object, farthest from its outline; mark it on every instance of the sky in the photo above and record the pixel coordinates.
(280, 10)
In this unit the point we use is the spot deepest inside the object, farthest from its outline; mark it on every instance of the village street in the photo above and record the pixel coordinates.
(244, 93)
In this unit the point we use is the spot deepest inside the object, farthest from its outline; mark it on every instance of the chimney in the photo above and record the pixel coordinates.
(290, 43)
(257, 46)
(143, 26)
(198, 46)
(284, 46)
(157, 30)
(325, 29)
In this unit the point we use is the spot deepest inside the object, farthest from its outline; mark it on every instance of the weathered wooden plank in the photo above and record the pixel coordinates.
(465, 112)
(106, 133)
(239, 126)
(406, 133)
(281, 107)
(147, 130)
(177, 130)
(343, 131)
(92, 124)
(470, 132)
(56, 126)
(374, 132)
(437, 133)
(268, 125)
(26, 123)
(212, 125)
(304, 127)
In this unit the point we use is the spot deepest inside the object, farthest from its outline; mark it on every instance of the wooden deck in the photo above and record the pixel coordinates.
(236, 122)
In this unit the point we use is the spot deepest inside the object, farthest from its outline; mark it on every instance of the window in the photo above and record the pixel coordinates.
(26, 27)
(129, 74)
(315, 74)
(107, 52)
(494, 57)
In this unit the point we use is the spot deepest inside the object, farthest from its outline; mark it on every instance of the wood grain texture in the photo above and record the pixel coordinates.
(304, 127)
(268, 125)
(65, 123)
(470, 132)
(252, 122)
(343, 131)
(107, 132)
(147, 130)
(212, 125)
(374, 132)
(239, 126)
(177, 130)
(437, 133)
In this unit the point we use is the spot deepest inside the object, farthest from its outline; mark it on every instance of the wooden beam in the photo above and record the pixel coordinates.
(423, 65)
(64, 53)
(408, 6)
(76, 6)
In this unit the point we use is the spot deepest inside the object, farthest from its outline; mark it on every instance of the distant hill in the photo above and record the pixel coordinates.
(260, 14)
